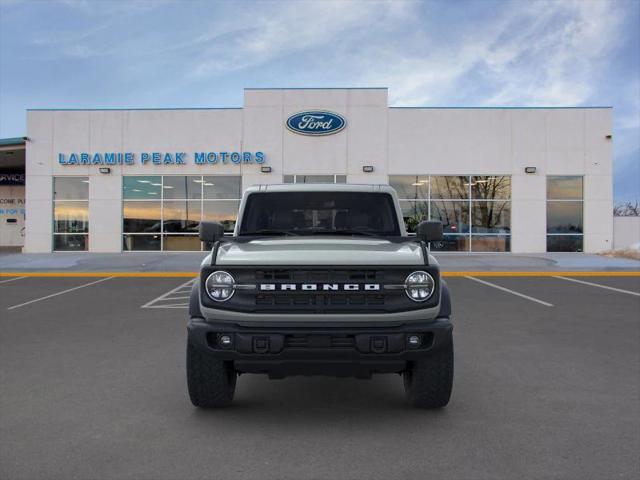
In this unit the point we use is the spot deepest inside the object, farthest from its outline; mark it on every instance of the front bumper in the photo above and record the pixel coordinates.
(338, 351)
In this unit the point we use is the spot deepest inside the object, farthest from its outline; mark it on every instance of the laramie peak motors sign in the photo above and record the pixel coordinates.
(160, 158)
(316, 122)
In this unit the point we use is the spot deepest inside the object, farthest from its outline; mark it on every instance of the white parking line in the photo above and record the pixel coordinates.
(180, 305)
(168, 296)
(620, 290)
(59, 293)
(12, 279)
(522, 295)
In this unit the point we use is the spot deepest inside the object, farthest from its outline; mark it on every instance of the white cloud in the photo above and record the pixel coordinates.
(274, 30)
(534, 53)
(561, 60)
(538, 53)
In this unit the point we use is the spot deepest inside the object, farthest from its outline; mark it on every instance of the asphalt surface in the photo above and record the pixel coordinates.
(93, 386)
(189, 261)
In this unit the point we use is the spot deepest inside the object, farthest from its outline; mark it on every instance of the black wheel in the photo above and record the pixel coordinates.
(211, 382)
(428, 382)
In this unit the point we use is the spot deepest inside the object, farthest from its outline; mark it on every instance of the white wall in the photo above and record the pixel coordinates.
(626, 232)
(39, 160)
(436, 141)
(53, 132)
(451, 141)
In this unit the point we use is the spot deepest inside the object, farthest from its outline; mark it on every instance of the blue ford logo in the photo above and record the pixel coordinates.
(316, 122)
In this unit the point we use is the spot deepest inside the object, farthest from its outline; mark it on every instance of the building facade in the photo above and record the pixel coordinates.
(500, 179)
(12, 181)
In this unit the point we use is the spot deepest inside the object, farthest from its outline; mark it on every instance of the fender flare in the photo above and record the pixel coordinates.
(445, 301)
(194, 300)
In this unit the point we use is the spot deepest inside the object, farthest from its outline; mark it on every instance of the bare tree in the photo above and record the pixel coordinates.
(626, 209)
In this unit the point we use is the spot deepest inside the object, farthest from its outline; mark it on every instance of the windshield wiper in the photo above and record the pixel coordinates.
(266, 231)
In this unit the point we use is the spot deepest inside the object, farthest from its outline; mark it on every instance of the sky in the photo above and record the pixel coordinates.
(155, 53)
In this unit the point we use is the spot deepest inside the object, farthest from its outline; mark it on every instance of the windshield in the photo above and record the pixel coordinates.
(317, 213)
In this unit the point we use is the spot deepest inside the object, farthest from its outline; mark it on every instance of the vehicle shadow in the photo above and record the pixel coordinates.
(318, 400)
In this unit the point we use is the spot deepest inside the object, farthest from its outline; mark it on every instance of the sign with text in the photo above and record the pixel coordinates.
(160, 158)
(316, 122)
(11, 178)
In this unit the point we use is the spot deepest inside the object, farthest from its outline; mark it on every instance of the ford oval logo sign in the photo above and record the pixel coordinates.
(316, 122)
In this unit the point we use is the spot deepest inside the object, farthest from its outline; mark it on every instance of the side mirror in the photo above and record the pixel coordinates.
(211, 231)
(429, 231)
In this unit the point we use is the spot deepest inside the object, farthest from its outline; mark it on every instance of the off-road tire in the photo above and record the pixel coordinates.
(428, 382)
(211, 382)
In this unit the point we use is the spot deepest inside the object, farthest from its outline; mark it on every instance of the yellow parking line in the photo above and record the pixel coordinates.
(544, 274)
(102, 274)
(445, 273)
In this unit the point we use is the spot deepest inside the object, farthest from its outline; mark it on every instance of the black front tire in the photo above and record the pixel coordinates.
(211, 382)
(428, 382)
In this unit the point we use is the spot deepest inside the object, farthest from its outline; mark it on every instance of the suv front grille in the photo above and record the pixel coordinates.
(320, 275)
(285, 299)
(319, 341)
(290, 290)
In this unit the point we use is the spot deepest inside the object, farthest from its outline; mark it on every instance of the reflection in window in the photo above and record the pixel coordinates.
(140, 242)
(564, 217)
(71, 188)
(181, 242)
(221, 187)
(453, 215)
(182, 187)
(70, 213)
(413, 213)
(225, 212)
(564, 214)
(314, 179)
(564, 243)
(71, 217)
(491, 217)
(65, 243)
(141, 217)
(450, 187)
(141, 187)
(451, 243)
(564, 188)
(469, 207)
(491, 243)
(410, 187)
(164, 212)
(490, 187)
(181, 216)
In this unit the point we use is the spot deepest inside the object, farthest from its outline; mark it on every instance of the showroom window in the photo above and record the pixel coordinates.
(315, 179)
(70, 213)
(475, 211)
(164, 212)
(564, 214)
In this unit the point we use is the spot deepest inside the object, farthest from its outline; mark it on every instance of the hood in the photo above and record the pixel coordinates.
(320, 251)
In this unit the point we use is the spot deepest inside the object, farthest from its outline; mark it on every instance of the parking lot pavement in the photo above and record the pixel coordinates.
(93, 386)
(175, 298)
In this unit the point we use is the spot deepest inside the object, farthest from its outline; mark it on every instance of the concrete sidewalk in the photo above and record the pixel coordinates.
(190, 261)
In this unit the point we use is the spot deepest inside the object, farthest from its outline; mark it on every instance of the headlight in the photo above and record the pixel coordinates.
(220, 286)
(419, 286)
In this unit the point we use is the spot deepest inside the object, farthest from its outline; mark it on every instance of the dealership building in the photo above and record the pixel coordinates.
(500, 179)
